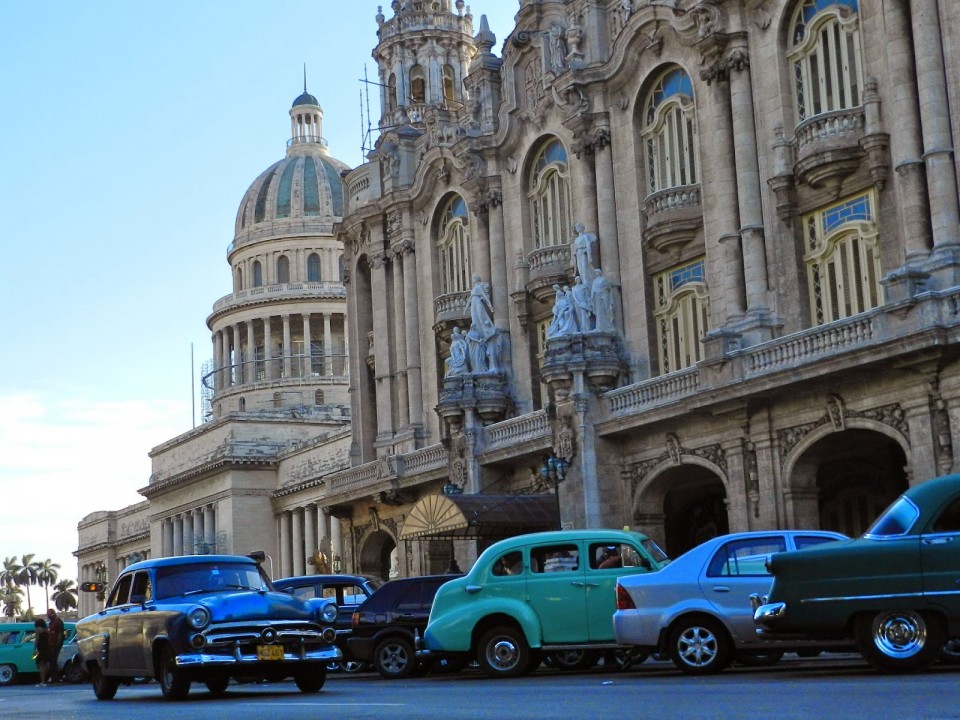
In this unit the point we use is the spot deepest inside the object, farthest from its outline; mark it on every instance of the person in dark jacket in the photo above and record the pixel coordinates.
(41, 650)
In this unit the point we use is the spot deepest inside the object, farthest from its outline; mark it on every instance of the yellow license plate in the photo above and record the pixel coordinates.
(269, 652)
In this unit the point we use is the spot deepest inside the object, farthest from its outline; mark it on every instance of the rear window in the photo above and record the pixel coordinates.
(745, 557)
(895, 520)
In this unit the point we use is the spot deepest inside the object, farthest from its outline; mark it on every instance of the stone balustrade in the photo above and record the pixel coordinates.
(510, 432)
(323, 289)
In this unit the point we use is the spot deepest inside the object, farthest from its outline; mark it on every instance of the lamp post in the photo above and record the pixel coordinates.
(451, 488)
(554, 470)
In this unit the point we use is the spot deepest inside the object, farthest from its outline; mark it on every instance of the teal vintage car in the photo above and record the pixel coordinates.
(16, 651)
(895, 590)
(534, 595)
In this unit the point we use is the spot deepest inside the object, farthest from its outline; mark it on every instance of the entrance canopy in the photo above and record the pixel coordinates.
(490, 517)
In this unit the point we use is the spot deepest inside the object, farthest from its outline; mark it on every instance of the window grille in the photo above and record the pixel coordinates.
(453, 246)
(682, 304)
(550, 196)
(670, 133)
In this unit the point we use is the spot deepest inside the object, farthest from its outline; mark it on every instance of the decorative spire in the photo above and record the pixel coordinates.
(304, 78)
(485, 39)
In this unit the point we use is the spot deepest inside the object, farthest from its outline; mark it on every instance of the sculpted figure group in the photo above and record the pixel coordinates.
(476, 351)
(588, 305)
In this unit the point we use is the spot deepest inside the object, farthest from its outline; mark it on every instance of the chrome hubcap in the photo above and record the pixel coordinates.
(502, 654)
(697, 646)
(901, 634)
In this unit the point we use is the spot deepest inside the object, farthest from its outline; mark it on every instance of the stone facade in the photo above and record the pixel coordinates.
(765, 193)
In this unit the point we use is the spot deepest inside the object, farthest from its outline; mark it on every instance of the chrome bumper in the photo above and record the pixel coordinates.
(770, 613)
(199, 659)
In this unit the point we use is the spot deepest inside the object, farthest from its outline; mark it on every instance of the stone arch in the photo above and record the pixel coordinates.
(377, 548)
(841, 478)
(682, 501)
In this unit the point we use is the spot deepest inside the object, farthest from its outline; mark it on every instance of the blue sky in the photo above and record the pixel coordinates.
(129, 132)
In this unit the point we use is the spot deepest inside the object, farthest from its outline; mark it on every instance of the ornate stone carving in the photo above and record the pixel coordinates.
(838, 416)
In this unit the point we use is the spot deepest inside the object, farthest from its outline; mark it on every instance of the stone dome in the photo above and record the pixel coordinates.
(305, 99)
(303, 187)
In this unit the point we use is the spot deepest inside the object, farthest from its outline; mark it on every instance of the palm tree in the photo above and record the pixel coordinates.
(65, 595)
(10, 573)
(28, 575)
(12, 599)
(47, 576)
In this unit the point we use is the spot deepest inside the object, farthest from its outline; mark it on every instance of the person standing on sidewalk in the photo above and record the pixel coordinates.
(56, 630)
(41, 650)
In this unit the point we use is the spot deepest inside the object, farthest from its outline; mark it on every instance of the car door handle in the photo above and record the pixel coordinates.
(721, 588)
(937, 540)
(590, 584)
(576, 583)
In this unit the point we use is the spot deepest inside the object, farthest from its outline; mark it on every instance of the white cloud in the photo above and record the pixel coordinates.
(63, 458)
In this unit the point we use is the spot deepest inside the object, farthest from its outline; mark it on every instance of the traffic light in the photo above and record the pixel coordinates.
(94, 587)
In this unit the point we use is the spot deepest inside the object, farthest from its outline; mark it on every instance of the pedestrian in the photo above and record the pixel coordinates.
(41, 650)
(56, 630)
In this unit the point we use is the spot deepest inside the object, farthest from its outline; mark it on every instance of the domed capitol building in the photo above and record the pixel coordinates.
(687, 266)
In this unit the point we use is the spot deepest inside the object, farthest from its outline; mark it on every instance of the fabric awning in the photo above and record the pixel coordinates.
(491, 517)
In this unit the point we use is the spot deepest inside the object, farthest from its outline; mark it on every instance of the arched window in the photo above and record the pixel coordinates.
(392, 92)
(453, 246)
(825, 54)
(449, 84)
(418, 85)
(283, 270)
(313, 268)
(549, 196)
(669, 133)
(843, 259)
(238, 281)
(682, 302)
(257, 274)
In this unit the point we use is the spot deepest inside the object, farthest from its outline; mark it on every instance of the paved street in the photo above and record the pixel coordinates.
(824, 688)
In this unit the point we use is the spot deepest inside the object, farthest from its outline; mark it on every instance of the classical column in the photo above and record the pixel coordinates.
(724, 216)
(199, 546)
(177, 535)
(307, 347)
(166, 542)
(400, 335)
(938, 147)
(327, 346)
(239, 356)
(286, 561)
(287, 347)
(188, 547)
(309, 538)
(323, 534)
(336, 539)
(381, 331)
(223, 376)
(250, 367)
(584, 190)
(268, 362)
(607, 206)
(217, 358)
(296, 521)
(210, 527)
(411, 316)
(748, 181)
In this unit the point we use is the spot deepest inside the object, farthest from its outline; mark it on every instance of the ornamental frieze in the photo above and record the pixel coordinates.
(674, 454)
(837, 415)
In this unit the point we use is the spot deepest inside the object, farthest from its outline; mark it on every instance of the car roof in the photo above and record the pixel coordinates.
(188, 560)
(300, 580)
(933, 492)
(599, 534)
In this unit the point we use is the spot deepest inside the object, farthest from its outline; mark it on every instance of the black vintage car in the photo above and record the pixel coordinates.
(204, 618)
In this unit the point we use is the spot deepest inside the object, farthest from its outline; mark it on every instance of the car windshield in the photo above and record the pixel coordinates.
(655, 552)
(208, 577)
(895, 520)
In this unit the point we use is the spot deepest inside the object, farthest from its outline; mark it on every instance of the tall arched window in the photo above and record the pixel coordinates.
(449, 84)
(843, 259)
(418, 85)
(238, 280)
(283, 270)
(669, 133)
(549, 196)
(392, 92)
(257, 274)
(453, 247)
(682, 302)
(825, 53)
(313, 268)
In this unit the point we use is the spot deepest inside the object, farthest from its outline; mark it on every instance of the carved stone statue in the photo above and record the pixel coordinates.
(562, 312)
(482, 338)
(558, 49)
(602, 302)
(583, 252)
(582, 297)
(457, 362)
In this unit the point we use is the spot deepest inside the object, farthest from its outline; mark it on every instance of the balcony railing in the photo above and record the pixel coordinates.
(324, 289)
(510, 432)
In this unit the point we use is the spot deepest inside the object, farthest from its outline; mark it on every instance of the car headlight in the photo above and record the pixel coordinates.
(199, 617)
(329, 612)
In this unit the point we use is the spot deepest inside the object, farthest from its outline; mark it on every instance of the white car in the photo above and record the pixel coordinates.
(697, 609)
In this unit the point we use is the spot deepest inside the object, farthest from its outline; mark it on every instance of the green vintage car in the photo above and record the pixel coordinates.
(534, 595)
(895, 590)
(16, 652)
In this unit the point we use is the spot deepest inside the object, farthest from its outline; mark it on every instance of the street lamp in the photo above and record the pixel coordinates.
(451, 488)
(337, 564)
(553, 471)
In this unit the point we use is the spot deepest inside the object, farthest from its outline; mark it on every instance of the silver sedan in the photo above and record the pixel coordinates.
(697, 609)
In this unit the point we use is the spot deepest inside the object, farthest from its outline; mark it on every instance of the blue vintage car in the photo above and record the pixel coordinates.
(204, 618)
(896, 590)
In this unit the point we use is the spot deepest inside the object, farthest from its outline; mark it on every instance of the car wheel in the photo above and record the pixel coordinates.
(104, 687)
(395, 658)
(899, 640)
(574, 659)
(310, 678)
(699, 646)
(950, 653)
(217, 684)
(74, 672)
(8, 674)
(758, 659)
(352, 666)
(173, 683)
(504, 652)
(625, 659)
